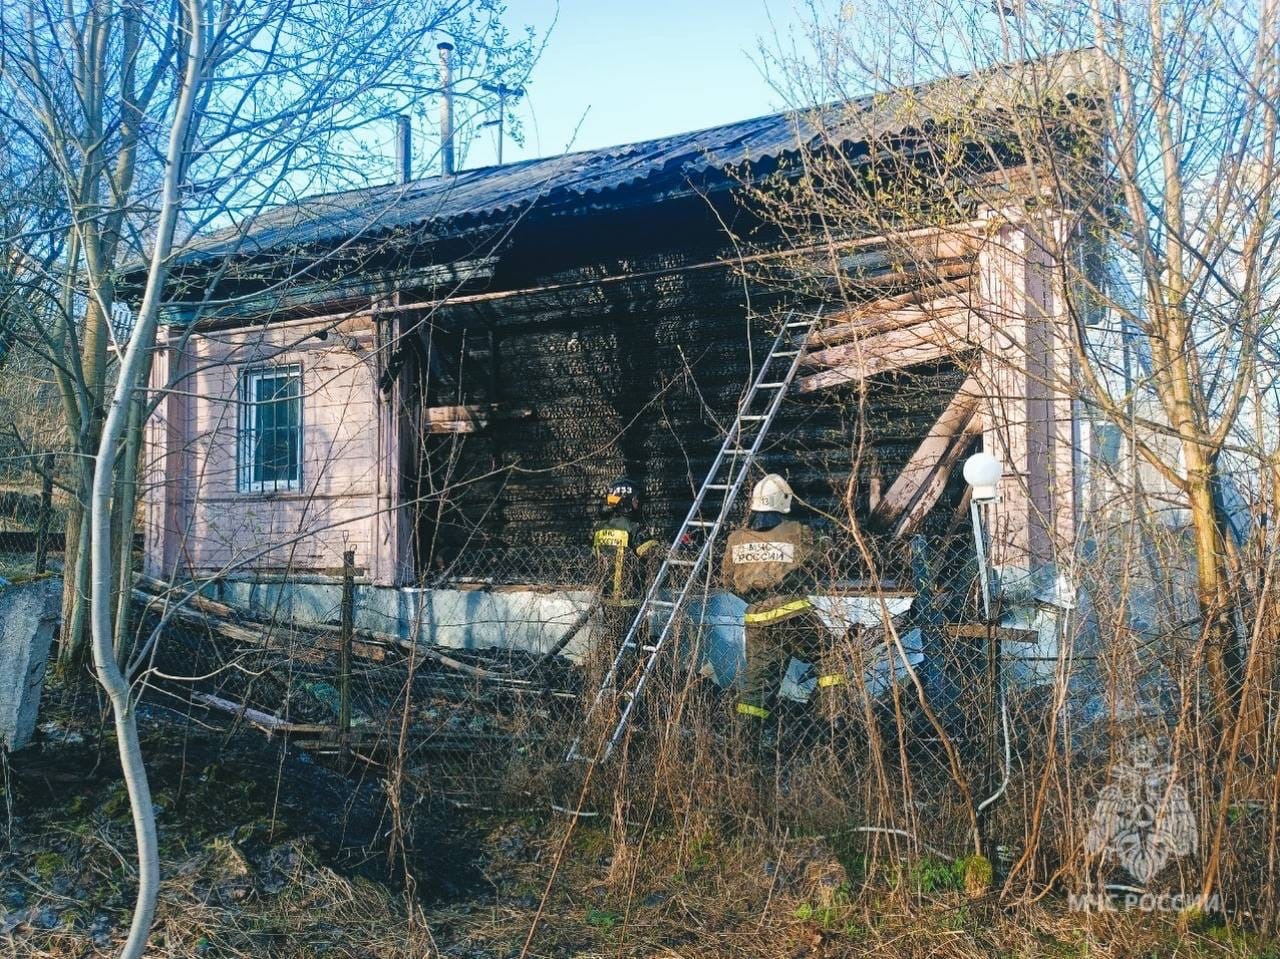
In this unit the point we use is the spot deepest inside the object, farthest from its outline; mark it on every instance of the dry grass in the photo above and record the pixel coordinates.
(248, 878)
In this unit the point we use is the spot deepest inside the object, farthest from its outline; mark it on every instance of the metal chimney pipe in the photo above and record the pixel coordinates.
(446, 108)
(404, 149)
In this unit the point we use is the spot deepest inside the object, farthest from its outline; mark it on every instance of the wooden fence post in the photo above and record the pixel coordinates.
(44, 516)
(344, 650)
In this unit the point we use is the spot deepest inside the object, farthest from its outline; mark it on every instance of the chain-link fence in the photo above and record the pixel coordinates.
(543, 566)
(893, 661)
(896, 713)
(32, 513)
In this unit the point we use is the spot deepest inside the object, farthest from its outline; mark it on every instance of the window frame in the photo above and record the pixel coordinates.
(247, 434)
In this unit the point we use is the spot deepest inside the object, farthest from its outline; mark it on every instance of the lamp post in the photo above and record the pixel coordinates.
(982, 472)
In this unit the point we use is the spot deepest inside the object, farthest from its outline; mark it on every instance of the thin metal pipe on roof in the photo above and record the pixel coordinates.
(446, 107)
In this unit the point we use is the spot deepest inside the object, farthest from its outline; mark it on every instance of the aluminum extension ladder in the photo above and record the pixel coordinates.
(691, 550)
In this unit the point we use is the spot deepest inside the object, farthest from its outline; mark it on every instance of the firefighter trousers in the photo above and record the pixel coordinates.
(776, 632)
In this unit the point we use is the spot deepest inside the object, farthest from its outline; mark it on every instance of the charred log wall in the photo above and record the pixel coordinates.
(633, 365)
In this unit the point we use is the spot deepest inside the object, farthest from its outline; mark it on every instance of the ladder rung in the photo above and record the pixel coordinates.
(719, 486)
(754, 418)
(700, 522)
(681, 562)
(770, 386)
(799, 323)
(661, 602)
(787, 353)
(650, 648)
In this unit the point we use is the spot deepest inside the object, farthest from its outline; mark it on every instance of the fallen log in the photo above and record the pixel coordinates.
(267, 722)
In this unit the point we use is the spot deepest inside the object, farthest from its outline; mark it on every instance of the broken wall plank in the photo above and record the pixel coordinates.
(926, 342)
(889, 313)
(455, 419)
(889, 321)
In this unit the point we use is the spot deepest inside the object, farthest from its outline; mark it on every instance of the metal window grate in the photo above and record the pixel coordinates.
(271, 429)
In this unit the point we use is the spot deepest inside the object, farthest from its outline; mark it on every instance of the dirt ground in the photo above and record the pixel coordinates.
(270, 853)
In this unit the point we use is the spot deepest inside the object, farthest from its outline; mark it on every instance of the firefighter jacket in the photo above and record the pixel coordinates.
(759, 565)
(617, 542)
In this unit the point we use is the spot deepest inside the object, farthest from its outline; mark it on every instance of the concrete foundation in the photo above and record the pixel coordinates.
(524, 619)
(28, 616)
(535, 620)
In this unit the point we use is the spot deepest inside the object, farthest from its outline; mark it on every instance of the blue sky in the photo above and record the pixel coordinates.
(615, 71)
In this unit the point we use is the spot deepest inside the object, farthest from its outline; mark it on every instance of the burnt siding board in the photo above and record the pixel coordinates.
(541, 247)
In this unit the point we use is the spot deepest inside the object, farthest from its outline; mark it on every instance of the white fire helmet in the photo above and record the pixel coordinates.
(771, 495)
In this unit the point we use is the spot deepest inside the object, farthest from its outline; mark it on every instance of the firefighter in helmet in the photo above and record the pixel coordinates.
(618, 542)
(769, 564)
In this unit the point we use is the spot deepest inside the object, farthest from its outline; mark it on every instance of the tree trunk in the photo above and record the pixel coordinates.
(75, 591)
(1211, 586)
(125, 508)
(132, 364)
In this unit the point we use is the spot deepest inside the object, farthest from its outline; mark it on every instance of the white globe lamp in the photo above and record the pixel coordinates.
(982, 472)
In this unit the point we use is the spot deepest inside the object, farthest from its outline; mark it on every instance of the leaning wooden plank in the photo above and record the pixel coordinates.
(395, 642)
(937, 482)
(303, 641)
(164, 592)
(920, 484)
(925, 342)
(287, 642)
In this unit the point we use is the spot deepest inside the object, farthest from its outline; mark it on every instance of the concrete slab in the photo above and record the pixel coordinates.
(28, 616)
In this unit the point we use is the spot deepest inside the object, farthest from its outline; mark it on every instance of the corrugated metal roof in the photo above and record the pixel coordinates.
(453, 201)
(489, 191)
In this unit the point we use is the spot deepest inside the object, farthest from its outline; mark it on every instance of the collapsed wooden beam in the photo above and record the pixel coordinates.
(267, 722)
(921, 483)
(939, 337)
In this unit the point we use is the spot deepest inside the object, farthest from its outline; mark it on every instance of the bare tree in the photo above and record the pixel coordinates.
(89, 89)
(1132, 147)
(155, 122)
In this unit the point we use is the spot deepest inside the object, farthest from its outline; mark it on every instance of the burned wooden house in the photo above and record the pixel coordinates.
(444, 374)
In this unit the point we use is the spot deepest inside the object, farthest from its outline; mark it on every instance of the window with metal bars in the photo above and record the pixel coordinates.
(270, 429)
